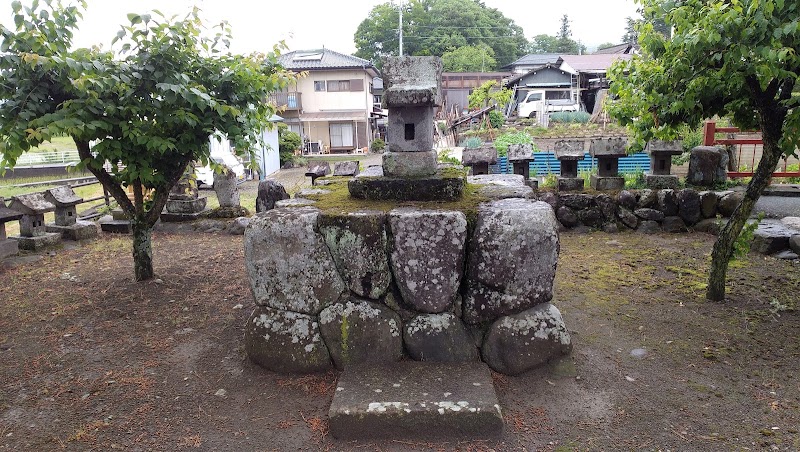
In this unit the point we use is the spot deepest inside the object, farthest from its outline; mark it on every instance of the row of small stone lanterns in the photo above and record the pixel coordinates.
(607, 151)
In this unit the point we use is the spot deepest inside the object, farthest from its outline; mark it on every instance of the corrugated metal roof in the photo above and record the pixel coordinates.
(536, 59)
(304, 60)
(621, 48)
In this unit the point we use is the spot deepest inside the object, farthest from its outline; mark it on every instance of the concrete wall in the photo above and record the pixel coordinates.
(315, 101)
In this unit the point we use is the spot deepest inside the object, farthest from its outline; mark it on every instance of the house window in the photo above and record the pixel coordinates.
(341, 135)
(338, 85)
(319, 86)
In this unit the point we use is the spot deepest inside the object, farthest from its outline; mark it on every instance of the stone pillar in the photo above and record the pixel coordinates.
(569, 152)
(708, 166)
(479, 159)
(520, 156)
(661, 153)
(226, 188)
(413, 89)
(8, 247)
(607, 151)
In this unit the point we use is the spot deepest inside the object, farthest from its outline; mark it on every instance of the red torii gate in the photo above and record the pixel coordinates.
(710, 130)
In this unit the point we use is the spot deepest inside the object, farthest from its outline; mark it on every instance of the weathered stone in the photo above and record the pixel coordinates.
(550, 198)
(294, 202)
(307, 192)
(116, 226)
(673, 224)
(608, 147)
(728, 203)
(794, 243)
(708, 165)
(628, 218)
(186, 206)
(576, 200)
(485, 154)
(661, 153)
(412, 81)
(440, 338)
(791, 223)
(227, 212)
(521, 342)
(446, 185)
(770, 237)
(569, 149)
(285, 342)
(668, 202)
(427, 256)
(520, 152)
(689, 206)
(395, 302)
(226, 188)
(65, 200)
(610, 228)
(238, 225)
(788, 255)
(501, 186)
(318, 169)
(708, 204)
(8, 247)
(80, 230)
(648, 227)
(410, 129)
(648, 199)
(607, 206)
(570, 183)
(361, 332)
(512, 259)
(409, 164)
(606, 183)
(359, 246)
(288, 263)
(627, 200)
(661, 181)
(567, 217)
(591, 217)
(348, 168)
(269, 191)
(186, 187)
(38, 242)
(649, 214)
(709, 225)
(415, 400)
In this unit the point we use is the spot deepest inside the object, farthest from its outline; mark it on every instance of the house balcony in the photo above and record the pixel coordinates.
(289, 101)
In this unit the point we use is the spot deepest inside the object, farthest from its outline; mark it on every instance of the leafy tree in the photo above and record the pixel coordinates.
(489, 93)
(655, 16)
(288, 142)
(543, 44)
(631, 35)
(564, 42)
(605, 45)
(150, 112)
(434, 27)
(734, 58)
(469, 59)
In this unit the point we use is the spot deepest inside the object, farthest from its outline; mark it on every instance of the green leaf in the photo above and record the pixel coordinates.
(134, 18)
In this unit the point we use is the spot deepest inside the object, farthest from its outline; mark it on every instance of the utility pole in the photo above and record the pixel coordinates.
(401, 28)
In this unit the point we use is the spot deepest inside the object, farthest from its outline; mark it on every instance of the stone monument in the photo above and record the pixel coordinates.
(520, 156)
(66, 221)
(708, 166)
(568, 152)
(661, 153)
(184, 202)
(479, 159)
(33, 233)
(8, 247)
(607, 151)
(410, 171)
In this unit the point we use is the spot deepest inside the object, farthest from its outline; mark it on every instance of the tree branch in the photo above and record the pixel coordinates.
(105, 179)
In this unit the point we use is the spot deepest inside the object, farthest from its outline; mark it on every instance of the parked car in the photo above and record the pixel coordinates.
(536, 102)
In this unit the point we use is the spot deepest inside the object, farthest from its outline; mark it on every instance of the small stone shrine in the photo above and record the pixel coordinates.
(607, 151)
(184, 202)
(479, 159)
(520, 156)
(8, 247)
(410, 171)
(568, 153)
(33, 235)
(66, 222)
(661, 153)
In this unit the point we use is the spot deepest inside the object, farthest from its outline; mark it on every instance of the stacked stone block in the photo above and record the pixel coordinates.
(33, 234)
(66, 215)
(661, 153)
(520, 156)
(607, 151)
(8, 247)
(479, 159)
(569, 152)
(184, 202)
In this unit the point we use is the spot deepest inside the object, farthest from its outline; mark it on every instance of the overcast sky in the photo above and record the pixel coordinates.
(309, 24)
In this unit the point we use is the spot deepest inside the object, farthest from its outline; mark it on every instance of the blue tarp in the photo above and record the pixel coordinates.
(546, 163)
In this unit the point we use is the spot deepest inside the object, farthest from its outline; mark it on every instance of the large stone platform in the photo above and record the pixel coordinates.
(415, 400)
(446, 185)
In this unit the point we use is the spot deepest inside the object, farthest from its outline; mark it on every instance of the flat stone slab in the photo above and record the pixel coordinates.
(81, 230)
(38, 242)
(171, 217)
(8, 247)
(439, 187)
(415, 400)
(657, 181)
(501, 186)
(116, 226)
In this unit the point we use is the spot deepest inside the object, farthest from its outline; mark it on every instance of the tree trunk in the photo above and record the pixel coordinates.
(723, 247)
(142, 251)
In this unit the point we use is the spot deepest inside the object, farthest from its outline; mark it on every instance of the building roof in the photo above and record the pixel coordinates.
(31, 204)
(514, 80)
(593, 63)
(323, 59)
(535, 59)
(7, 214)
(621, 48)
(62, 196)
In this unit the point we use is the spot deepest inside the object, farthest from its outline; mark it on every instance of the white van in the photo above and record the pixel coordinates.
(221, 153)
(536, 102)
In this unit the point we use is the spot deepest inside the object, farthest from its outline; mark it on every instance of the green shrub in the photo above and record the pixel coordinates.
(378, 145)
(444, 157)
(496, 119)
(472, 143)
(578, 117)
(550, 180)
(793, 169)
(288, 142)
(635, 180)
(504, 139)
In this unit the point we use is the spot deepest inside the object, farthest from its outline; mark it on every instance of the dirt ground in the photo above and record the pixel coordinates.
(93, 361)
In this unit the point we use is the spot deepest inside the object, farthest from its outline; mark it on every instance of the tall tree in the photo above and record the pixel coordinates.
(564, 41)
(433, 27)
(469, 59)
(734, 58)
(150, 112)
(543, 44)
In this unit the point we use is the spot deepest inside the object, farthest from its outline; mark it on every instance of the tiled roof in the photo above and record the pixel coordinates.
(536, 59)
(596, 62)
(303, 60)
(621, 48)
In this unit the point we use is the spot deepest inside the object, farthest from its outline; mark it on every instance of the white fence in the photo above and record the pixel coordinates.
(48, 158)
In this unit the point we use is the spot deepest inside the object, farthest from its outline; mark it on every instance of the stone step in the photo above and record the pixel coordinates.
(412, 399)
(116, 226)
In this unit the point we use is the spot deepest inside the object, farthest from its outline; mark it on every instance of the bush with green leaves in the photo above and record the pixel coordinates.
(496, 119)
(444, 156)
(472, 143)
(378, 145)
(288, 142)
(576, 117)
(504, 139)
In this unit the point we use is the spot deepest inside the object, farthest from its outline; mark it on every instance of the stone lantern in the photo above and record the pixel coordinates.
(66, 213)
(607, 151)
(184, 202)
(33, 233)
(661, 153)
(8, 247)
(520, 156)
(479, 159)
(569, 152)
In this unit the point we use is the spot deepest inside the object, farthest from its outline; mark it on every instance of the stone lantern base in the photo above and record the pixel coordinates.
(661, 181)
(446, 185)
(38, 242)
(570, 183)
(606, 183)
(81, 230)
